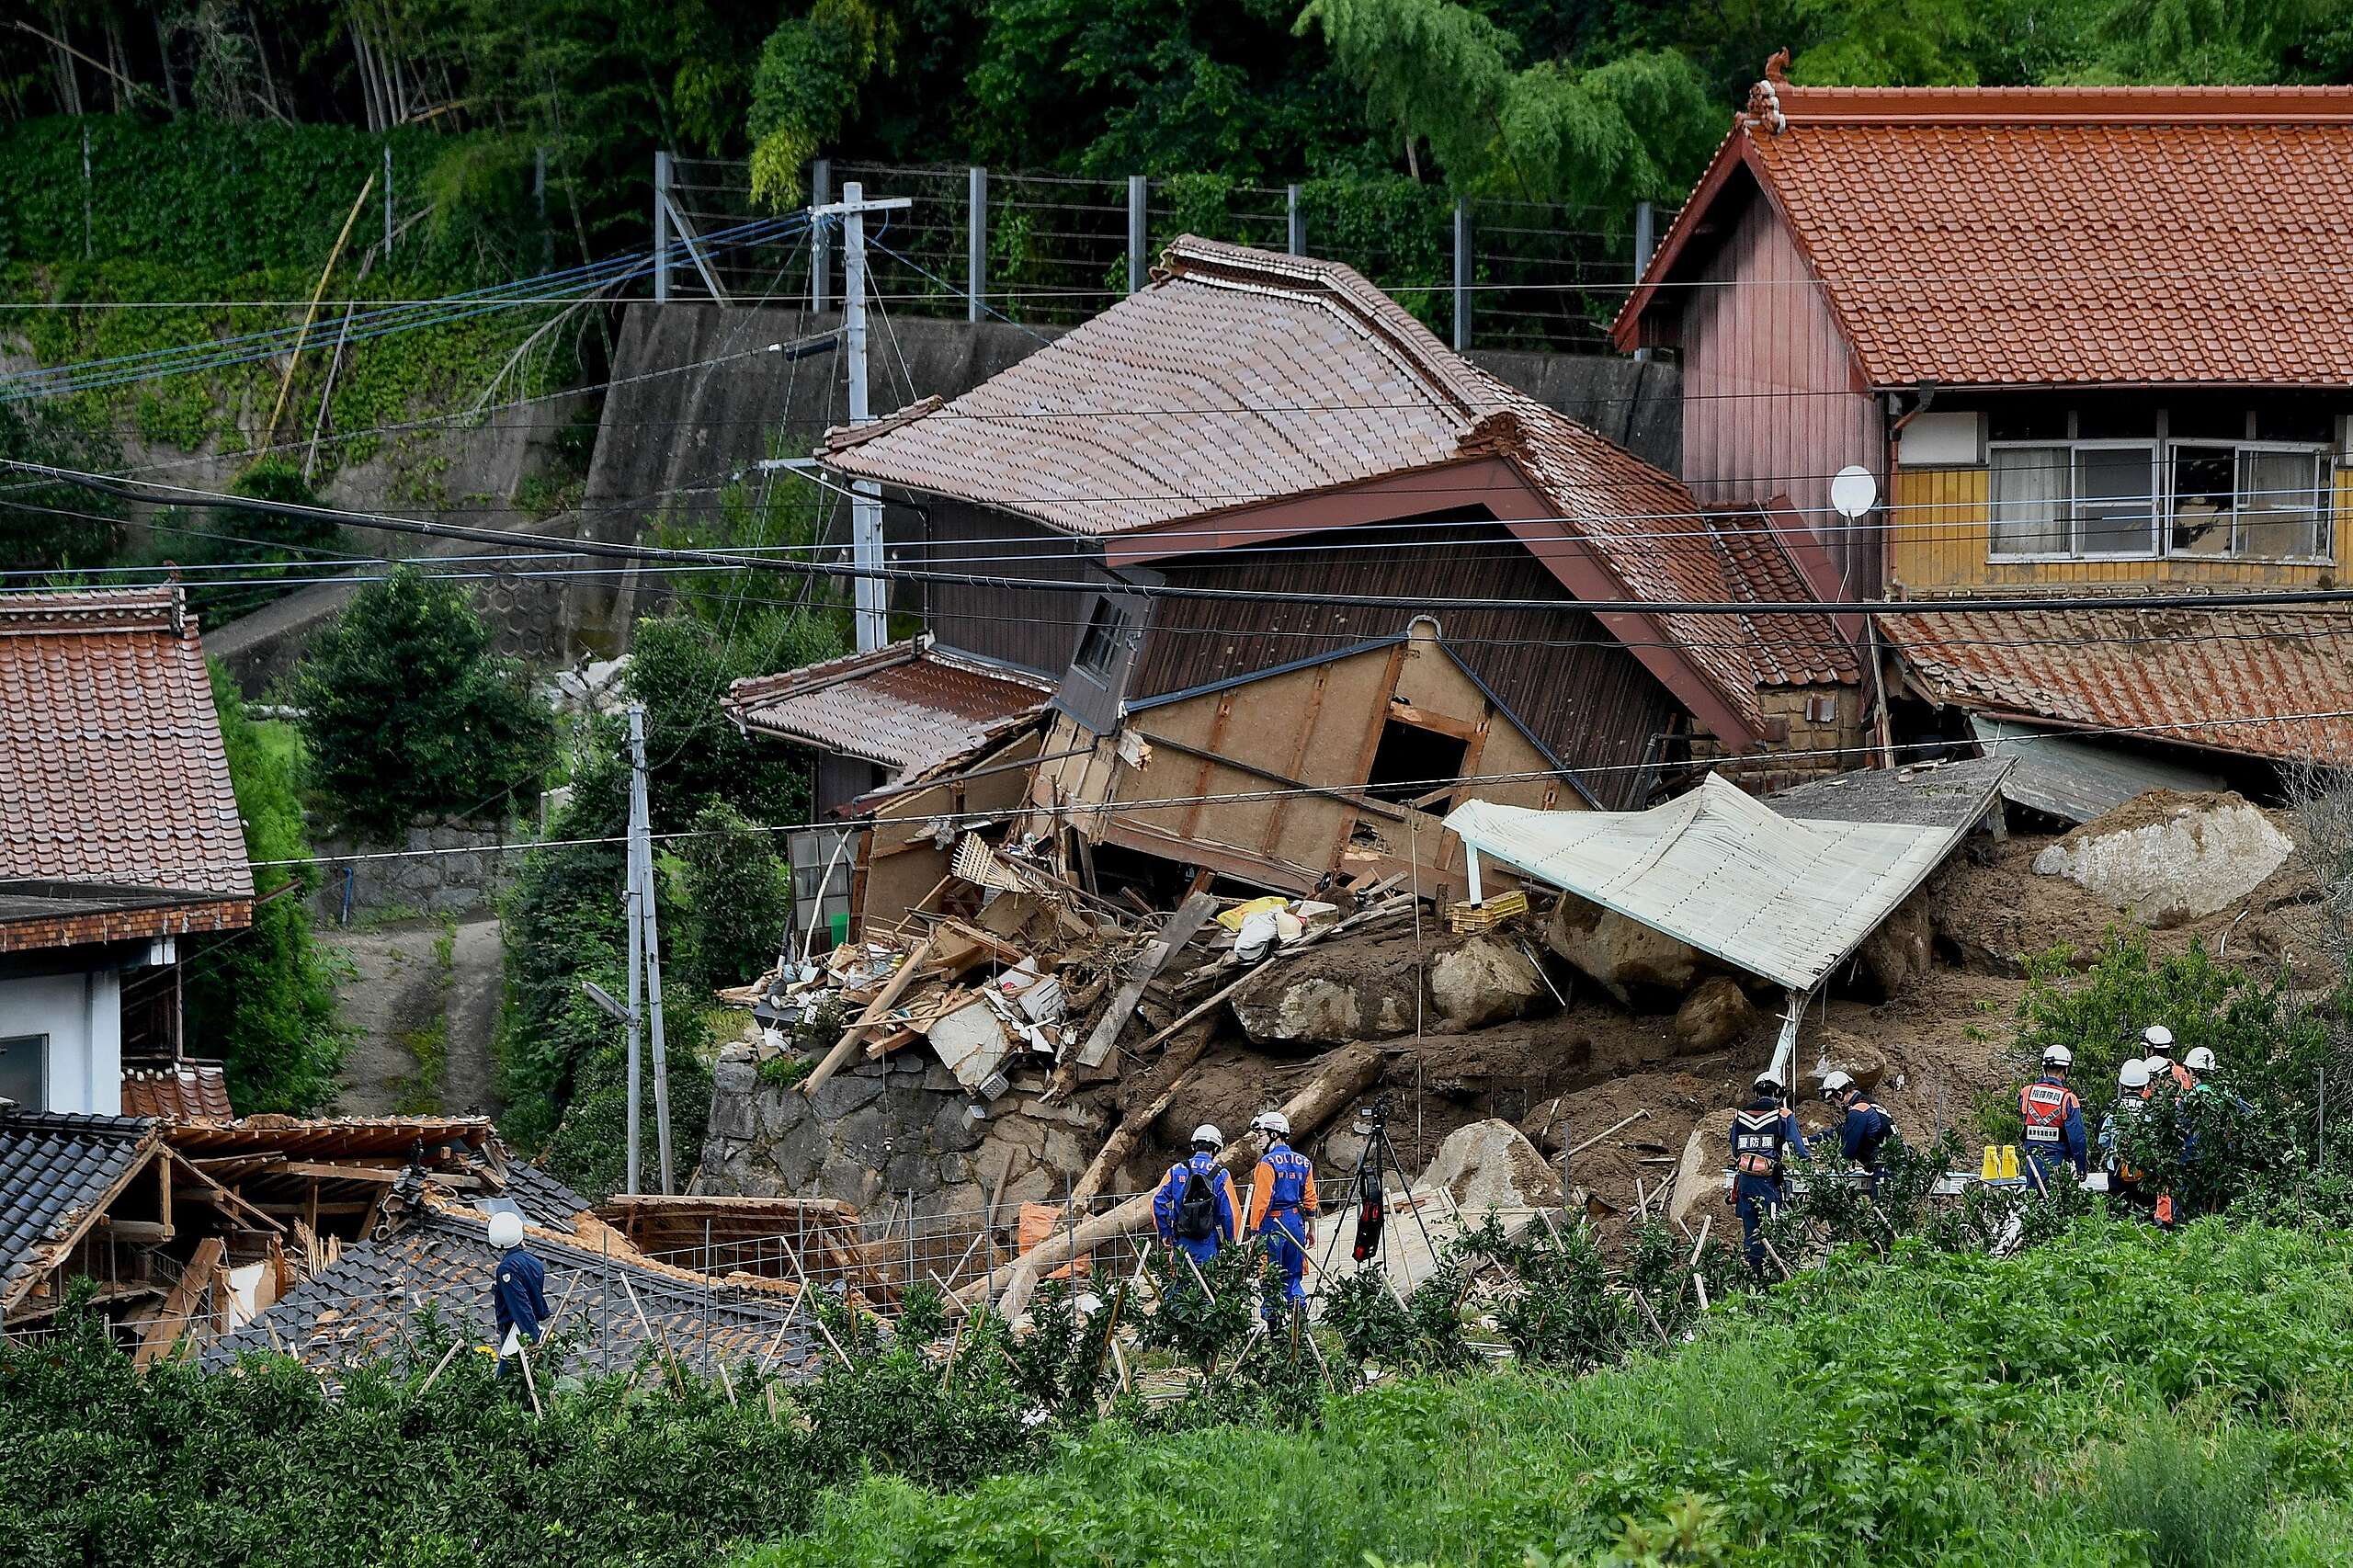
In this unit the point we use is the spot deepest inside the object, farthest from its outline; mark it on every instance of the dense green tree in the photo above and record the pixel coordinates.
(408, 711)
(49, 524)
(734, 892)
(254, 548)
(263, 999)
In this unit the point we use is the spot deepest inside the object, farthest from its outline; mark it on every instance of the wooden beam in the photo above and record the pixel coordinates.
(137, 1233)
(1196, 908)
(171, 1319)
(321, 1171)
(876, 1011)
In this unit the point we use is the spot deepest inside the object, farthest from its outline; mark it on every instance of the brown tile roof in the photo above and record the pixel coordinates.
(175, 1091)
(2007, 237)
(2190, 678)
(111, 767)
(1787, 650)
(1241, 376)
(909, 707)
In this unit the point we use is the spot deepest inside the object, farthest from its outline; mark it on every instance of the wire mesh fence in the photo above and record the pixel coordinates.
(1058, 249)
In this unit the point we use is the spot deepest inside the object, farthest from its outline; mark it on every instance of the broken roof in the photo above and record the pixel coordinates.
(2052, 235)
(1724, 872)
(360, 1307)
(1760, 565)
(1239, 377)
(111, 766)
(175, 1089)
(910, 706)
(57, 1171)
(1954, 794)
(2231, 680)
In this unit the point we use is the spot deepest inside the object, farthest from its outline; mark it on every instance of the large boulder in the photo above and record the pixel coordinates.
(1644, 969)
(1326, 997)
(1699, 1175)
(1716, 1012)
(1489, 1165)
(1485, 980)
(2164, 858)
(1835, 1051)
(1897, 953)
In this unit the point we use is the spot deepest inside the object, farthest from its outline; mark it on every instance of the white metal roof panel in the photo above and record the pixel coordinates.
(1716, 869)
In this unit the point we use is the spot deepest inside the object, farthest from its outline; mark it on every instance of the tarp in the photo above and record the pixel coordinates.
(1779, 897)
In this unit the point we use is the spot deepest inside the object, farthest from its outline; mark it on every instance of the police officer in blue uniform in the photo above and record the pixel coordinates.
(1765, 1137)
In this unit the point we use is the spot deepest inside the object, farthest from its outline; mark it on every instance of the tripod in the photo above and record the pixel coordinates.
(1368, 1193)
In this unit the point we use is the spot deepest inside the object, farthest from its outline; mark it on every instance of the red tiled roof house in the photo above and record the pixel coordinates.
(2087, 340)
(122, 843)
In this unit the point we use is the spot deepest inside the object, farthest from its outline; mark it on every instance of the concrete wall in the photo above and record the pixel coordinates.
(80, 1015)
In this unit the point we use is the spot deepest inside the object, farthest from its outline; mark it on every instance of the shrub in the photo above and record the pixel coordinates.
(2195, 1507)
(408, 711)
(258, 547)
(264, 998)
(734, 892)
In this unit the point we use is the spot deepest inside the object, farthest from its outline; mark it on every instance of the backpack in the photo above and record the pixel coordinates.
(1197, 1210)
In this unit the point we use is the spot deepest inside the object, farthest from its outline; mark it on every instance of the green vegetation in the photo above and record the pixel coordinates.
(562, 1062)
(263, 998)
(735, 895)
(407, 711)
(428, 1043)
(2117, 1397)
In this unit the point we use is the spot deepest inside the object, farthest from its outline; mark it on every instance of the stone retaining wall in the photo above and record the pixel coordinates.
(451, 868)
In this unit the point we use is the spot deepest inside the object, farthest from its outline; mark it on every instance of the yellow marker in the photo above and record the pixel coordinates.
(2009, 1161)
(1993, 1169)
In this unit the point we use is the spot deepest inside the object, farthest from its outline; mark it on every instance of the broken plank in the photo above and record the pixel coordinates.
(1196, 908)
(876, 1011)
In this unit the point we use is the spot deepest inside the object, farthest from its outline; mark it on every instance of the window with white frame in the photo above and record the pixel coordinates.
(2074, 499)
(2216, 499)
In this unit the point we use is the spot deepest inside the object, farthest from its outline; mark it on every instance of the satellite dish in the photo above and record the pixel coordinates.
(1853, 490)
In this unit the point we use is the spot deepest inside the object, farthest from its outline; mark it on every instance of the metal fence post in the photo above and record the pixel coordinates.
(1295, 226)
(976, 241)
(821, 193)
(1139, 230)
(1463, 278)
(661, 228)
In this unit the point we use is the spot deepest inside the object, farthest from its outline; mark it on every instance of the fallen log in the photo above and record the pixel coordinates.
(1129, 1134)
(1348, 1074)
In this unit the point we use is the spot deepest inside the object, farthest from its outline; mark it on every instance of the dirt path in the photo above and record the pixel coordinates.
(423, 1000)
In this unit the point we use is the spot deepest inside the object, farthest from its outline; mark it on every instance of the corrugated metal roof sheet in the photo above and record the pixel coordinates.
(2230, 680)
(1721, 872)
(909, 707)
(2076, 779)
(2010, 236)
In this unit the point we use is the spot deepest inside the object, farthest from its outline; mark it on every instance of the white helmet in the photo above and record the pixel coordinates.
(1207, 1132)
(2159, 1039)
(1835, 1083)
(2134, 1075)
(2057, 1056)
(1272, 1122)
(2199, 1060)
(506, 1231)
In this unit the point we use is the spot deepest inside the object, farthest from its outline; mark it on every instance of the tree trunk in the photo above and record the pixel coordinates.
(1129, 1136)
(1347, 1072)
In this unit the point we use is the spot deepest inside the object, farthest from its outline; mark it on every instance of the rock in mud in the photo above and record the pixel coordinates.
(1489, 1165)
(2166, 857)
(1716, 1012)
(1645, 970)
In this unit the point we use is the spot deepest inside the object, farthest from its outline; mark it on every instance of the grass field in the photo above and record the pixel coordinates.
(2116, 1398)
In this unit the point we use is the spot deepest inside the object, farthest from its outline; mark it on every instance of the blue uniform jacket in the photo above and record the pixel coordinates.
(1865, 1132)
(1172, 1193)
(1793, 1140)
(518, 1296)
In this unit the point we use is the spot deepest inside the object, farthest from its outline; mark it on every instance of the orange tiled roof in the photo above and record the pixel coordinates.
(2186, 677)
(2008, 236)
(111, 766)
(1241, 376)
(185, 1090)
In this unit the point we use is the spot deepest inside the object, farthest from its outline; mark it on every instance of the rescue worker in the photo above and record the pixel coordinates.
(1283, 1210)
(2117, 1129)
(1195, 1209)
(1863, 1134)
(2054, 1119)
(518, 1292)
(1763, 1135)
(2157, 1041)
(2199, 1064)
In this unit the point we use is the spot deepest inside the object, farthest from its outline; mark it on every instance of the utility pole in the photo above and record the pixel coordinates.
(866, 497)
(646, 948)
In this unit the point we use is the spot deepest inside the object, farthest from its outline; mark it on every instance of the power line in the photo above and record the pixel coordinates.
(2254, 599)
